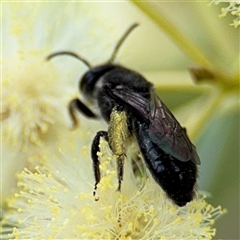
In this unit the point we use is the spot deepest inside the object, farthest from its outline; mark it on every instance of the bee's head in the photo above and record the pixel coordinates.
(92, 78)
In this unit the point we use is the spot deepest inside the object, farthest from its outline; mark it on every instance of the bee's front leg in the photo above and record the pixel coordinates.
(76, 104)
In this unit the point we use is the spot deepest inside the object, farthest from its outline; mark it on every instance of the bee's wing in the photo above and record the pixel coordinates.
(164, 129)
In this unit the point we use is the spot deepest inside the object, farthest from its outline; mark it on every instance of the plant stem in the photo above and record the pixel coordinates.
(184, 43)
(173, 33)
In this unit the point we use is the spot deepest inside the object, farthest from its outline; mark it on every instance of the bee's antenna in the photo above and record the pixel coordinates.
(121, 40)
(49, 57)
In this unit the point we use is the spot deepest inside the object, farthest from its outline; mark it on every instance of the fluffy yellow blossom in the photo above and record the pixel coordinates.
(36, 100)
(56, 201)
(233, 8)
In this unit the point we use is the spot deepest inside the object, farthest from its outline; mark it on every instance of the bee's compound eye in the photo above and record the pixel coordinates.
(91, 77)
(87, 83)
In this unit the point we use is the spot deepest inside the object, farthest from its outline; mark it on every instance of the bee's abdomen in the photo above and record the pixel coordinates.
(175, 177)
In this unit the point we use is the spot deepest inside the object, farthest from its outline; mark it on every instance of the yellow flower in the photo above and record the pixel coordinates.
(233, 8)
(33, 99)
(36, 93)
(56, 201)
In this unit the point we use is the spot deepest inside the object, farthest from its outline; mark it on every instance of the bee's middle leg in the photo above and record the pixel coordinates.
(95, 149)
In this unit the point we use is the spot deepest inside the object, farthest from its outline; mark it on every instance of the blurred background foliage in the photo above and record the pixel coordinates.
(208, 108)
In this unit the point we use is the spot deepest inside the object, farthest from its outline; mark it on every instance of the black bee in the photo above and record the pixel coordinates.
(128, 102)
